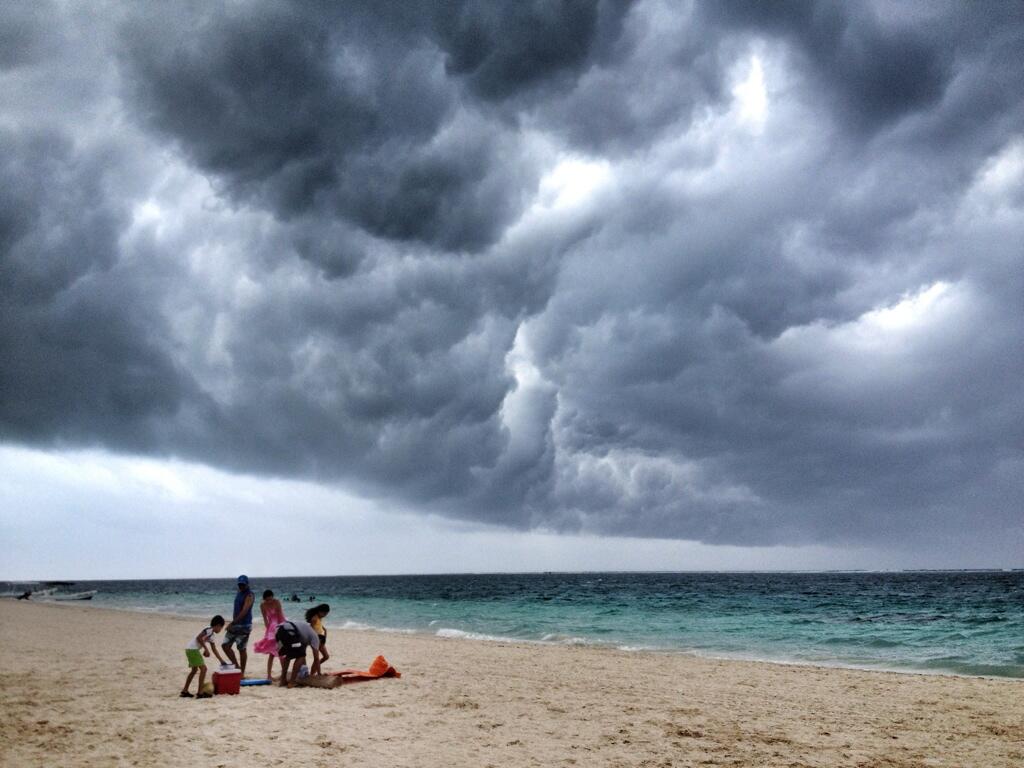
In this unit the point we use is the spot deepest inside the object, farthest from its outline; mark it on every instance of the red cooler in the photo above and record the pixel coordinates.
(227, 682)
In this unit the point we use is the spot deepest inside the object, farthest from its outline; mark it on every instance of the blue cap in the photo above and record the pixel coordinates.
(243, 579)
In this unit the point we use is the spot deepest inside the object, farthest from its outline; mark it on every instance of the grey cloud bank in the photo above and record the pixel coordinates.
(732, 272)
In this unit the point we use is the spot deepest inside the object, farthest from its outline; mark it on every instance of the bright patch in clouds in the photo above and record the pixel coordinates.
(910, 311)
(751, 95)
(573, 181)
(880, 334)
(146, 213)
(998, 187)
(1004, 173)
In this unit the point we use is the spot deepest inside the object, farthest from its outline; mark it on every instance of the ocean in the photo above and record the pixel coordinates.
(968, 623)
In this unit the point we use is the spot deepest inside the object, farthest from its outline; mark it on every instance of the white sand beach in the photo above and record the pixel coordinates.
(84, 686)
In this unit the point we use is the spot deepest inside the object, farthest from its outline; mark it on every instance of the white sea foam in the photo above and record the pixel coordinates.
(463, 635)
(358, 626)
(566, 639)
(548, 639)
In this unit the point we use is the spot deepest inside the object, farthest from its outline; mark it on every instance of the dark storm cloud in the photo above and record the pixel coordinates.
(506, 48)
(353, 242)
(303, 110)
(21, 37)
(79, 357)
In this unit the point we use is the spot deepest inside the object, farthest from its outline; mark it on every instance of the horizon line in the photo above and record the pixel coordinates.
(993, 569)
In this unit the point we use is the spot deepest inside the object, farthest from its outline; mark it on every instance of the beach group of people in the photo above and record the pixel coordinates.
(283, 639)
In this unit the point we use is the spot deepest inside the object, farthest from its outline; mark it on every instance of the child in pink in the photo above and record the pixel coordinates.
(273, 617)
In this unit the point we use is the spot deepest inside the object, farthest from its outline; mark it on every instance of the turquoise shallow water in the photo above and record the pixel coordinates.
(947, 622)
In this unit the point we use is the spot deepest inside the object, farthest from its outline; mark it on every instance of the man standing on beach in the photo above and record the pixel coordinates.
(238, 629)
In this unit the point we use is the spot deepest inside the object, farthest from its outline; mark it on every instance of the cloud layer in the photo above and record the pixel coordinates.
(723, 271)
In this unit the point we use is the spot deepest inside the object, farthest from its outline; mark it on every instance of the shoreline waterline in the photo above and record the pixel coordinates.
(965, 623)
(449, 635)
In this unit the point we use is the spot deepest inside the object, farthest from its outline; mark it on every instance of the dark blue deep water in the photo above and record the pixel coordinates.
(952, 622)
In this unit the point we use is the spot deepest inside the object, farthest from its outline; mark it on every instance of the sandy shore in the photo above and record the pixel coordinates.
(91, 687)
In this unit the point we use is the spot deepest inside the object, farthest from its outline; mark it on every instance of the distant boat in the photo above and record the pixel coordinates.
(71, 595)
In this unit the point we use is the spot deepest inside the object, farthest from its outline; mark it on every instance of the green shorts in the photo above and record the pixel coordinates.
(195, 658)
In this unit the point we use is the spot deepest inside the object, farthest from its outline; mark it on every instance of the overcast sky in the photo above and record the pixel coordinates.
(498, 286)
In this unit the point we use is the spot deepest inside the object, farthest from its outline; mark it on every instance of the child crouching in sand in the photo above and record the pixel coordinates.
(195, 659)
